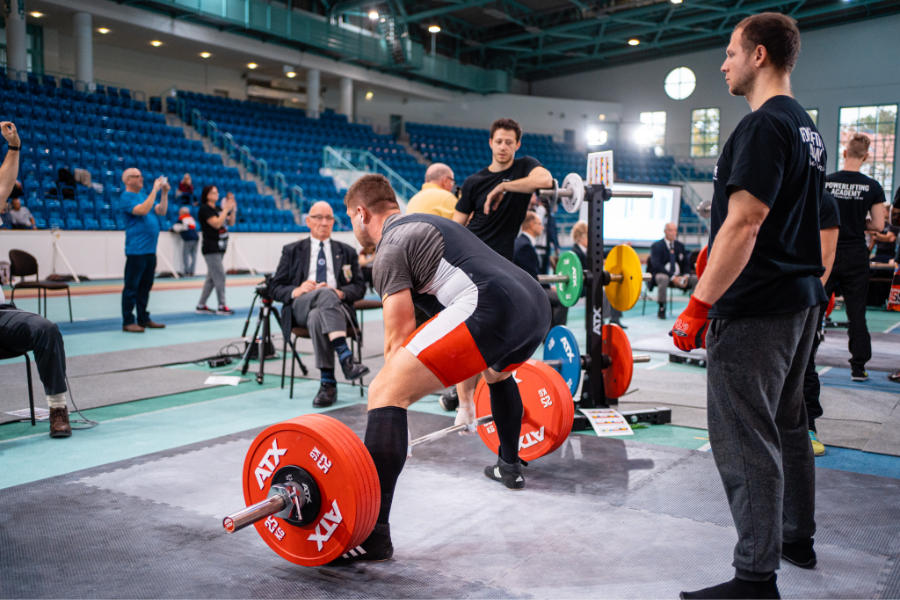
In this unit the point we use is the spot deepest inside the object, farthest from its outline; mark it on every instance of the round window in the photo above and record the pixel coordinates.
(680, 83)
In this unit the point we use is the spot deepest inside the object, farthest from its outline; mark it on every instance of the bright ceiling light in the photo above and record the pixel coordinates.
(434, 29)
(156, 43)
(634, 42)
(36, 14)
(373, 15)
(205, 54)
(370, 94)
(676, 1)
(102, 30)
(290, 74)
(252, 66)
(601, 117)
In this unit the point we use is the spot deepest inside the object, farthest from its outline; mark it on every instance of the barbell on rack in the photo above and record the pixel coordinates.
(571, 194)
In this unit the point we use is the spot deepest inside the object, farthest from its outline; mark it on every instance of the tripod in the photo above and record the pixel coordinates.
(260, 341)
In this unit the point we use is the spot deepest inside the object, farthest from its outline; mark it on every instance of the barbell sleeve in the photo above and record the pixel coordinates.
(255, 512)
(631, 194)
(553, 278)
(640, 358)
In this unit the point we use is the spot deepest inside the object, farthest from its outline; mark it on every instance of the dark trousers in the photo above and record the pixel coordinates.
(850, 278)
(757, 432)
(22, 331)
(811, 386)
(139, 272)
(320, 311)
(559, 313)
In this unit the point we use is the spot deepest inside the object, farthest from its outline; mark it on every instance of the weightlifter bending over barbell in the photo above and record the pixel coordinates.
(491, 318)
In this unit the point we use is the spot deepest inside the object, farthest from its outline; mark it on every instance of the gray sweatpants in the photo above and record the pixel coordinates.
(758, 432)
(320, 311)
(215, 277)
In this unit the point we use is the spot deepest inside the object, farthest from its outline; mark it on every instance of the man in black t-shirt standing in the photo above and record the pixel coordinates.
(859, 197)
(497, 197)
(492, 205)
(757, 299)
(829, 224)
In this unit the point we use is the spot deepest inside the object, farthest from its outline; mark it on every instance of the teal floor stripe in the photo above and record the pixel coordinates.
(857, 461)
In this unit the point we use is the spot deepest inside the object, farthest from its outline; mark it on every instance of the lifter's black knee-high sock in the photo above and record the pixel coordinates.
(386, 439)
(506, 407)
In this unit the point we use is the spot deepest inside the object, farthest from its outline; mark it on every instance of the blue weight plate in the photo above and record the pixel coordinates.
(561, 345)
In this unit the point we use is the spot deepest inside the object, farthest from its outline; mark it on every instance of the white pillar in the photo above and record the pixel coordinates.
(347, 98)
(16, 51)
(313, 92)
(84, 48)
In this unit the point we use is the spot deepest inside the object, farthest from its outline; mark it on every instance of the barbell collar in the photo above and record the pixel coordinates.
(279, 500)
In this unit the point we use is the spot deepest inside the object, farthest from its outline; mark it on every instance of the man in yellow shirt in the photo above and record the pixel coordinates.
(436, 196)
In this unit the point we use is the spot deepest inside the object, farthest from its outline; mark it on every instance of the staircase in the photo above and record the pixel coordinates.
(282, 201)
(346, 165)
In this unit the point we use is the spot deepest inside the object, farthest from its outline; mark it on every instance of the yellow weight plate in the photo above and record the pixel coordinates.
(623, 260)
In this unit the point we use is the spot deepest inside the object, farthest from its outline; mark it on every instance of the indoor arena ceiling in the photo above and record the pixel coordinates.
(539, 39)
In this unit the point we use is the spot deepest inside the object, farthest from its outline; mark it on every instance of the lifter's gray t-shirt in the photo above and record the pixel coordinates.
(407, 257)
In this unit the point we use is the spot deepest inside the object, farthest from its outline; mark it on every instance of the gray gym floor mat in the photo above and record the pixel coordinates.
(599, 518)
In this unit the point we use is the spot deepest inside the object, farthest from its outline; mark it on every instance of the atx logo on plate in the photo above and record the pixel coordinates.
(269, 461)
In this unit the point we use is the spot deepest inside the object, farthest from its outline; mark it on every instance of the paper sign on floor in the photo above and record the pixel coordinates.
(40, 414)
(607, 422)
(222, 380)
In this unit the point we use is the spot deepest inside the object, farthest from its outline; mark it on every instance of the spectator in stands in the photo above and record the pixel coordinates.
(185, 192)
(885, 244)
(187, 228)
(526, 257)
(436, 196)
(580, 248)
(669, 264)
(141, 235)
(214, 223)
(19, 216)
(861, 205)
(318, 280)
(22, 331)
(65, 180)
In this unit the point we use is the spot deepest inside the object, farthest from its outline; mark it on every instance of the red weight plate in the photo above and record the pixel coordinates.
(702, 259)
(567, 402)
(543, 427)
(310, 442)
(617, 377)
(370, 488)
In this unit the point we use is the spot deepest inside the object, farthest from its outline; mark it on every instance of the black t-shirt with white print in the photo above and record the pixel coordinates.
(855, 194)
(776, 154)
(499, 228)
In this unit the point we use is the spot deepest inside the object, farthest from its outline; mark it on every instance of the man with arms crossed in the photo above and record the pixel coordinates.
(758, 299)
(493, 206)
(428, 258)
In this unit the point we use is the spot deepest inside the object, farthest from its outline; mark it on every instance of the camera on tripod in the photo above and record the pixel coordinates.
(263, 288)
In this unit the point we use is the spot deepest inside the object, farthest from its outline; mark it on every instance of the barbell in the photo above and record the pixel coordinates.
(572, 193)
(310, 485)
(622, 277)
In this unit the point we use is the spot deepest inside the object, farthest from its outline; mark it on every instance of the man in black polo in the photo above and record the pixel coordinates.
(755, 309)
(861, 204)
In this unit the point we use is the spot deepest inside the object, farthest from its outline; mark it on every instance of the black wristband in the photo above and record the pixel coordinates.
(13, 147)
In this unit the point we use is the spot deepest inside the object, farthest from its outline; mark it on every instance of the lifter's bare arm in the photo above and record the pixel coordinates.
(10, 167)
(399, 317)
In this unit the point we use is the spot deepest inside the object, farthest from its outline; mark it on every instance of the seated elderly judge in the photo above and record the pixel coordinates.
(669, 264)
(318, 280)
